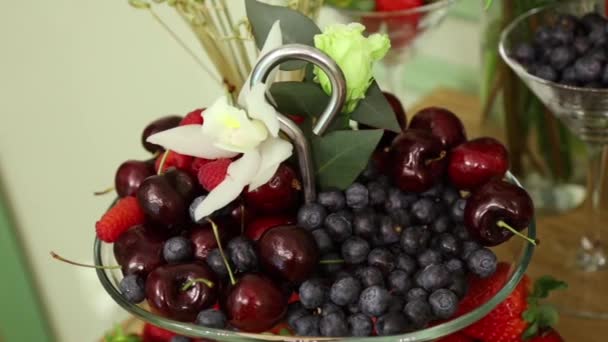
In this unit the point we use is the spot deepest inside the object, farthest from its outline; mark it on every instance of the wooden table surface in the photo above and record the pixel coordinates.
(550, 228)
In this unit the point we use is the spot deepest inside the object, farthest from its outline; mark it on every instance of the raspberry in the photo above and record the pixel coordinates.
(176, 160)
(197, 163)
(195, 117)
(125, 214)
(213, 173)
(153, 333)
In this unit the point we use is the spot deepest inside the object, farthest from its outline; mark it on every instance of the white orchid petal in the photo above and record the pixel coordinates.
(245, 168)
(189, 140)
(273, 41)
(228, 190)
(273, 152)
(259, 108)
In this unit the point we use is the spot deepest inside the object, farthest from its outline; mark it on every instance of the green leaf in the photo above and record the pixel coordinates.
(285, 332)
(547, 316)
(374, 110)
(340, 156)
(295, 27)
(530, 332)
(301, 98)
(545, 284)
(530, 314)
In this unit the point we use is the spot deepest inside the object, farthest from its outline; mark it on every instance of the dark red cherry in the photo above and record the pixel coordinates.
(289, 253)
(417, 160)
(156, 126)
(476, 162)
(281, 193)
(130, 175)
(494, 208)
(397, 108)
(184, 183)
(139, 250)
(167, 296)
(255, 303)
(258, 226)
(161, 202)
(442, 123)
(203, 239)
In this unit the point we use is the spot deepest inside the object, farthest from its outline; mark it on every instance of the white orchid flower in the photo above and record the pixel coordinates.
(251, 129)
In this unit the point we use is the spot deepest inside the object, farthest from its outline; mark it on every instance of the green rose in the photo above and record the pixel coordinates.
(355, 54)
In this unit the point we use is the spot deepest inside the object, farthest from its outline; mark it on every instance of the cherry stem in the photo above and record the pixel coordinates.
(162, 163)
(60, 258)
(503, 224)
(190, 283)
(104, 192)
(442, 155)
(332, 261)
(219, 246)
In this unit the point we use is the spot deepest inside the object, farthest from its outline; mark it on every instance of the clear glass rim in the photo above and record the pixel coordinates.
(509, 29)
(420, 9)
(427, 334)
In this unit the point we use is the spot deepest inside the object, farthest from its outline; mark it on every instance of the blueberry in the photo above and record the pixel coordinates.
(461, 232)
(597, 36)
(357, 196)
(338, 227)
(417, 293)
(444, 303)
(401, 217)
(345, 291)
(389, 232)
(333, 200)
(429, 257)
(581, 45)
(381, 258)
(448, 244)
(313, 293)
(195, 203)
(377, 193)
(450, 195)
(587, 69)
(353, 308)
(544, 37)
(242, 254)
(360, 325)
(216, 263)
(295, 311)
(546, 72)
(370, 276)
(178, 338)
(211, 319)
(396, 199)
(433, 277)
(593, 20)
(397, 304)
(311, 216)
(370, 172)
(331, 269)
(365, 223)
(434, 192)
(457, 210)
(399, 282)
(132, 287)
(333, 325)
(482, 262)
(569, 76)
(419, 312)
(562, 36)
(406, 263)
(330, 308)
(343, 274)
(323, 241)
(347, 215)
(424, 211)
(568, 22)
(392, 323)
(455, 265)
(374, 301)
(598, 53)
(178, 249)
(468, 247)
(307, 326)
(459, 285)
(414, 240)
(355, 250)
(562, 56)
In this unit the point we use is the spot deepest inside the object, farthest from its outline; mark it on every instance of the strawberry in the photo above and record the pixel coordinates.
(397, 5)
(505, 322)
(547, 336)
(402, 28)
(542, 317)
(195, 117)
(125, 214)
(213, 173)
(176, 160)
(153, 333)
(456, 337)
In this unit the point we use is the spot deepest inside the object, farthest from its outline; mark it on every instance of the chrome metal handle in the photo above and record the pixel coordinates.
(338, 85)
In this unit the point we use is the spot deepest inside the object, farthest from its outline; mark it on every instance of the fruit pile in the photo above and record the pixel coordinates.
(392, 253)
(570, 51)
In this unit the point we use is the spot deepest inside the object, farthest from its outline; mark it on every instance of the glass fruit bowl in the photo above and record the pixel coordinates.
(517, 252)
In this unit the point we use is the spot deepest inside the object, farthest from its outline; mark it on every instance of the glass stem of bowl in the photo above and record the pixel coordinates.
(592, 254)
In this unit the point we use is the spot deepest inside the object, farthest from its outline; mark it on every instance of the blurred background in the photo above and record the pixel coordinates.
(78, 81)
